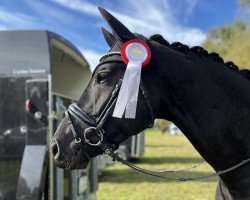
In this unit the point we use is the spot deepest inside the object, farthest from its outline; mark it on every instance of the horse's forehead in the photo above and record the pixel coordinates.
(110, 65)
(106, 63)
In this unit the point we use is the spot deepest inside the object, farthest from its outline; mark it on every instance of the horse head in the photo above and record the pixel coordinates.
(96, 102)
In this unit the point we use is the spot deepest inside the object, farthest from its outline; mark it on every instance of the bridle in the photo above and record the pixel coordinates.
(95, 126)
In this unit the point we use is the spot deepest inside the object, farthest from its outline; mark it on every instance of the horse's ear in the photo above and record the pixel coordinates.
(120, 31)
(109, 37)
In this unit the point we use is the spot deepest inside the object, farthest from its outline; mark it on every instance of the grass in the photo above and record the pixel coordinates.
(118, 182)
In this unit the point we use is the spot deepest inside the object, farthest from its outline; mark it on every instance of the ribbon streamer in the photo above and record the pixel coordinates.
(128, 94)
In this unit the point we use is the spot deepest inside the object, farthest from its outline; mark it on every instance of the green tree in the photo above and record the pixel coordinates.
(244, 4)
(239, 26)
(231, 42)
(245, 8)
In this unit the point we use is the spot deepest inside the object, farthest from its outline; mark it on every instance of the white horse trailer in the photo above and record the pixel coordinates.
(41, 73)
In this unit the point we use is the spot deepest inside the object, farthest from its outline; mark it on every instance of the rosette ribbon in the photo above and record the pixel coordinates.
(136, 54)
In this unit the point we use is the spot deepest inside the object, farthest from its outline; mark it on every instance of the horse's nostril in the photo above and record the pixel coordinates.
(55, 150)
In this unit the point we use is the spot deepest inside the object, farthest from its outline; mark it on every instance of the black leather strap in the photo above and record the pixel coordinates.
(146, 97)
(82, 116)
(162, 174)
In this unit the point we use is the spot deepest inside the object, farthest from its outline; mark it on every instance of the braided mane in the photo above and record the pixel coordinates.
(200, 52)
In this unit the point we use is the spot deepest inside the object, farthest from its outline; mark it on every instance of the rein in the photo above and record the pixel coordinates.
(94, 127)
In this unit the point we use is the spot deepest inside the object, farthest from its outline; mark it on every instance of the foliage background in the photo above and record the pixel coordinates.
(232, 42)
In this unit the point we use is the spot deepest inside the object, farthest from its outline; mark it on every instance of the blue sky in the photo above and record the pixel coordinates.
(79, 21)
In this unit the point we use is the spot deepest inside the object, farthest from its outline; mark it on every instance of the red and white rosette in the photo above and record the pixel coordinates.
(136, 54)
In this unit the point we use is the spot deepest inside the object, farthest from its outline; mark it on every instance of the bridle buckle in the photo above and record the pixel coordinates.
(78, 140)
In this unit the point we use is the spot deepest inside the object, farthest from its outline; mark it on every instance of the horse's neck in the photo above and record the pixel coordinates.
(211, 106)
(213, 110)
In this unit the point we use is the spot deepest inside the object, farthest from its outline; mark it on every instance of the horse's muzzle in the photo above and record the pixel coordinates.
(68, 160)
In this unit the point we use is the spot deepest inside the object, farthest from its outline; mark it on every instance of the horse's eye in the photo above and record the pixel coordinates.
(102, 77)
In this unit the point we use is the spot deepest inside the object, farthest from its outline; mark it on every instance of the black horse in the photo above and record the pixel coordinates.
(209, 100)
